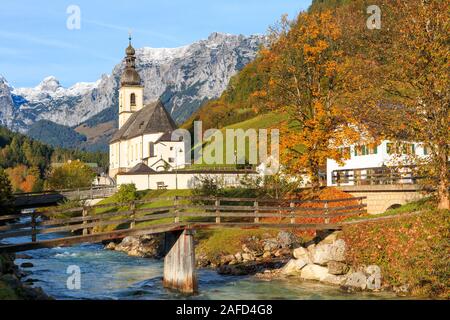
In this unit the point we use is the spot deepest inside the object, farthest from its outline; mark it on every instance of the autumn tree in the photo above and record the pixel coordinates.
(24, 179)
(72, 174)
(303, 81)
(399, 83)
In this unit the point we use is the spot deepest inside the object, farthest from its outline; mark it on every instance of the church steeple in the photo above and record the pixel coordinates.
(131, 93)
(130, 76)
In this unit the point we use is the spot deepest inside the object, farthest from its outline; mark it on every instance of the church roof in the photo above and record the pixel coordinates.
(153, 118)
(140, 168)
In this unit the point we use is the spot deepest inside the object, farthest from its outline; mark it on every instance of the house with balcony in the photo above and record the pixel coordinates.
(382, 163)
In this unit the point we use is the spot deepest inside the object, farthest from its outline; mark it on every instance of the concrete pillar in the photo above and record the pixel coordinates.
(179, 262)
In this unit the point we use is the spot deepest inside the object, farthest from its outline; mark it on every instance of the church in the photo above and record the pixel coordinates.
(142, 144)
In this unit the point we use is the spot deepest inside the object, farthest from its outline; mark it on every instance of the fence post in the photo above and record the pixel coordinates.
(133, 215)
(33, 227)
(85, 214)
(292, 205)
(217, 204)
(361, 202)
(327, 220)
(256, 205)
(177, 217)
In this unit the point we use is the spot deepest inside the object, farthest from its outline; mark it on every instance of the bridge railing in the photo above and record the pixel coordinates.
(79, 193)
(202, 212)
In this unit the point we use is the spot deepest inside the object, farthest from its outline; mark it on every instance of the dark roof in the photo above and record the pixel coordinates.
(153, 118)
(167, 137)
(130, 77)
(141, 168)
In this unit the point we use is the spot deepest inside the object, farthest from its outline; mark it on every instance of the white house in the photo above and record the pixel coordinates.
(369, 162)
(143, 140)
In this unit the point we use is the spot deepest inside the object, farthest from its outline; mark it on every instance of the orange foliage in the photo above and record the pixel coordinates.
(305, 74)
(324, 194)
(23, 179)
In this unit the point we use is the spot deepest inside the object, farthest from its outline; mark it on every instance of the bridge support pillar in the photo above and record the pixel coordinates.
(179, 262)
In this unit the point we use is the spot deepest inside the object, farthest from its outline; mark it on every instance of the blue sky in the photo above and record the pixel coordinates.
(35, 42)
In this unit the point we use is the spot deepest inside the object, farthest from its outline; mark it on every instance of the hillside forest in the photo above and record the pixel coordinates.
(27, 162)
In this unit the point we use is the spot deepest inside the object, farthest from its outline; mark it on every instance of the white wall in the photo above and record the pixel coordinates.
(127, 154)
(184, 180)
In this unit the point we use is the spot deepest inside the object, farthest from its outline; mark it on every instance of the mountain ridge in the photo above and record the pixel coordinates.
(184, 78)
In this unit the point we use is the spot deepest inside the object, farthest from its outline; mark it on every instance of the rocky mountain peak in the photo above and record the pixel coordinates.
(3, 81)
(49, 84)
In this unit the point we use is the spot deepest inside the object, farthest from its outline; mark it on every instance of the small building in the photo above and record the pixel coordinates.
(145, 131)
(383, 163)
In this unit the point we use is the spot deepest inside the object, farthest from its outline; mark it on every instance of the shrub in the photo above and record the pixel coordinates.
(126, 193)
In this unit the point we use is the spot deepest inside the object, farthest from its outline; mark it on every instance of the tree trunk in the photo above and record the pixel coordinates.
(315, 180)
(443, 192)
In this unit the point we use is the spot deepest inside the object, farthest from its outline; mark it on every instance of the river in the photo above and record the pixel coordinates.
(114, 275)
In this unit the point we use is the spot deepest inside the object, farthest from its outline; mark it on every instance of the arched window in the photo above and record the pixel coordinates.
(133, 99)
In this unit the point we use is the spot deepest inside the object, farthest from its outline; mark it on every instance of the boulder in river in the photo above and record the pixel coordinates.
(323, 252)
(302, 253)
(27, 265)
(293, 267)
(314, 272)
(374, 277)
(148, 246)
(356, 280)
(337, 268)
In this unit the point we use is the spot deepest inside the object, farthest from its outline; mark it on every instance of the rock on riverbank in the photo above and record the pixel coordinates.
(148, 246)
(11, 286)
(324, 260)
(256, 255)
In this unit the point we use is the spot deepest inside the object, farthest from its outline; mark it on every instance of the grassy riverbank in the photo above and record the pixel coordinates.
(412, 250)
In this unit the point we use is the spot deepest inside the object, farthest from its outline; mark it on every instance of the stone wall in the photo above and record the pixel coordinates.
(382, 197)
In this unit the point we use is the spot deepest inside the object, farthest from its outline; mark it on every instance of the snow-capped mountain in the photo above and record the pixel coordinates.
(182, 77)
(6, 103)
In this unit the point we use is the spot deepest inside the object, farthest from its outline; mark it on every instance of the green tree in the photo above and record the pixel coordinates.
(73, 174)
(6, 198)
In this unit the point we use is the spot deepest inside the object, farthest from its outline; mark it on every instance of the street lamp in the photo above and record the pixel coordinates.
(177, 149)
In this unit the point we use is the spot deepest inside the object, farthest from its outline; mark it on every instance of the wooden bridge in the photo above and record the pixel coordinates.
(177, 217)
(53, 197)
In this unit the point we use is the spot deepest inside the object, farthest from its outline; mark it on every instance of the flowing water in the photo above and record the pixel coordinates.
(113, 275)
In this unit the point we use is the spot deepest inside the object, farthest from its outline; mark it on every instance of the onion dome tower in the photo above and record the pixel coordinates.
(131, 92)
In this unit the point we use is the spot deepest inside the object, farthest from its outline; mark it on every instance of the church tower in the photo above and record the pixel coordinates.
(131, 93)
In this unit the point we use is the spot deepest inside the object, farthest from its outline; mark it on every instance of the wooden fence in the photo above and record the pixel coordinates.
(376, 176)
(181, 212)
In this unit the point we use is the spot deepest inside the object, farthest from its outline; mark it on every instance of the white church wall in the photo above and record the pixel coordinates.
(174, 181)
